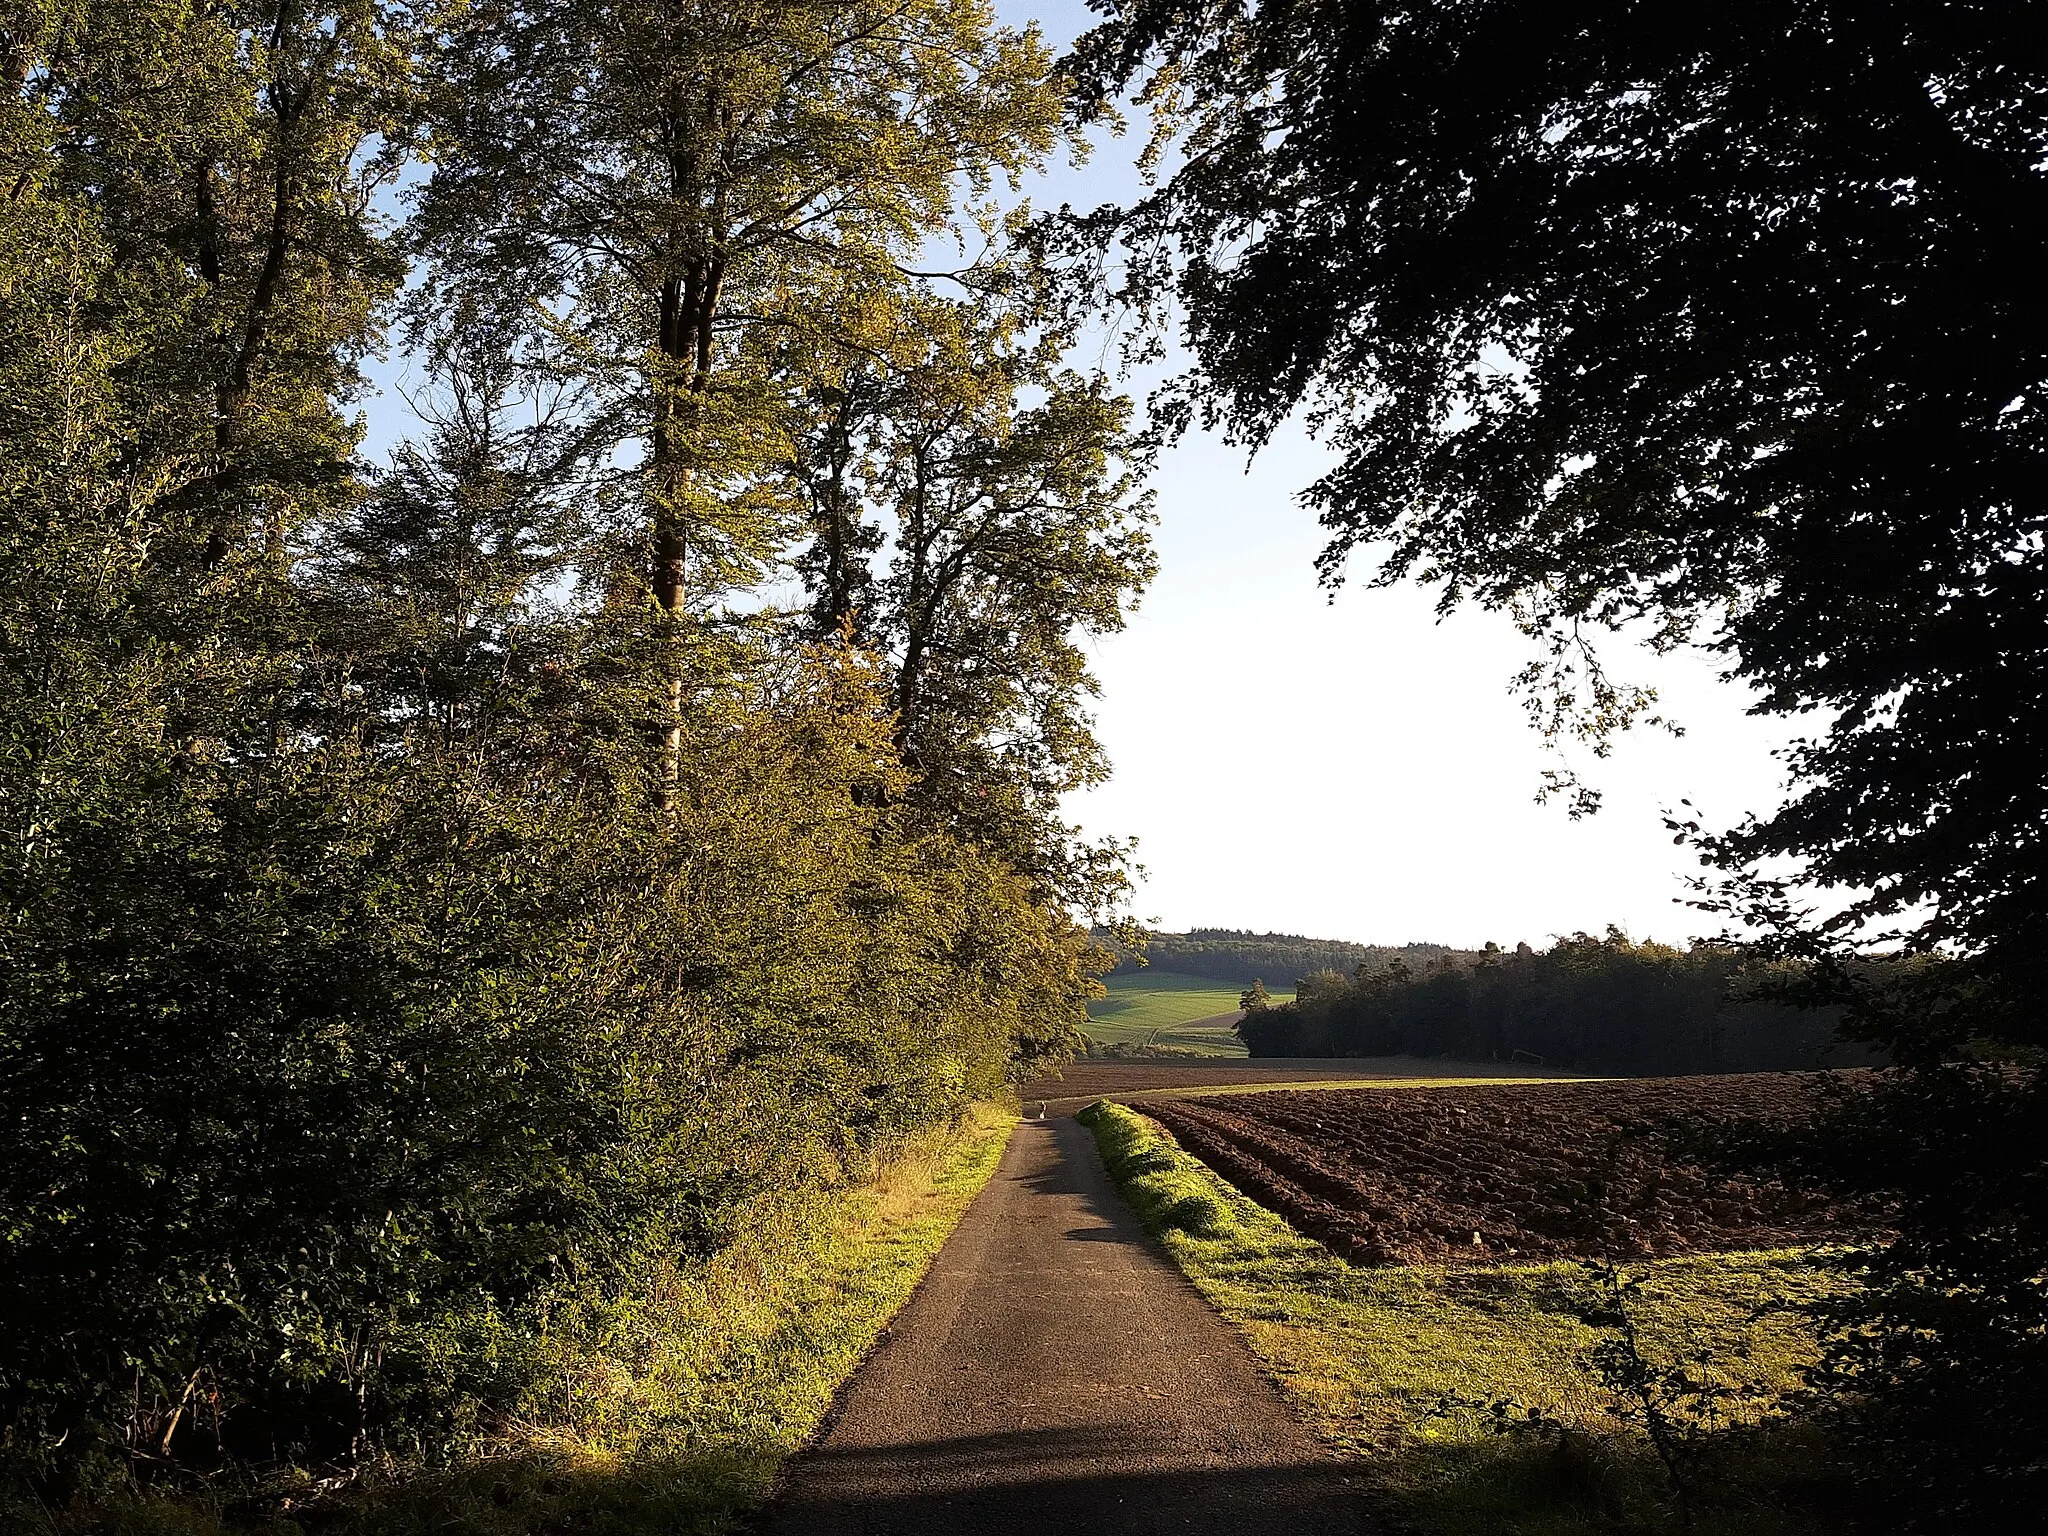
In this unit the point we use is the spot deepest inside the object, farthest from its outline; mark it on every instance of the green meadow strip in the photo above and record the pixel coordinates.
(1211, 1090)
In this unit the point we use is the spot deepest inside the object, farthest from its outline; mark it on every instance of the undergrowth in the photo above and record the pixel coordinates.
(667, 1410)
(1492, 1400)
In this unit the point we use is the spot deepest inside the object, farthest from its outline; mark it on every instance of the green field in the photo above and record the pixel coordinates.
(1158, 1007)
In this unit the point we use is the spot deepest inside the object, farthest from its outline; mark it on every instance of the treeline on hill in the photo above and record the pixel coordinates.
(1278, 959)
(1586, 1004)
(434, 886)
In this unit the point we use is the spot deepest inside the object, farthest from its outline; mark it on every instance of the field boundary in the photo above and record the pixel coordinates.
(1408, 1369)
(1213, 1090)
(1173, 1013)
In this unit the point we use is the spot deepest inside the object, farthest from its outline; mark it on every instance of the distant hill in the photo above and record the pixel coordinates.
(1278, 959)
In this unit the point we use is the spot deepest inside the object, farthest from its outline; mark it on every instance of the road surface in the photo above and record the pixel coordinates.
(1056, 1374)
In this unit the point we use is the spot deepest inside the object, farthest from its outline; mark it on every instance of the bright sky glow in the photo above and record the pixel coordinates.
(1359, 770)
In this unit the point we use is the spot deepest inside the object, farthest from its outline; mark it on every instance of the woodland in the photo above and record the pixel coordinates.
(1279, 959)
(1608, 1004)
(442, 882)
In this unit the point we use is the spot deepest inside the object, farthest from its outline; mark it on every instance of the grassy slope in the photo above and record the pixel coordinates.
(1369, 1355)
(1152, 1007)
(673, 1411)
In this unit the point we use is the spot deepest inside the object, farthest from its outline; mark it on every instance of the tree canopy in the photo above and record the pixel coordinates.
(1726, 321)
(1723, 319)
(438, 894)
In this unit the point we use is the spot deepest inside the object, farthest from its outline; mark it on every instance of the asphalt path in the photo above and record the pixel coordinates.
(1055, 1373)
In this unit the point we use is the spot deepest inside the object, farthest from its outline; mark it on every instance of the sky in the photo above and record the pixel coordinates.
(1358, 769)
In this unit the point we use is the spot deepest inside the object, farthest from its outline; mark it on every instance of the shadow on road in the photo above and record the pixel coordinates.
(1033, 1483)
(1078, 1178)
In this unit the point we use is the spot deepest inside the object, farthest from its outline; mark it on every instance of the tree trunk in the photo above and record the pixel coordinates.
(689, 304)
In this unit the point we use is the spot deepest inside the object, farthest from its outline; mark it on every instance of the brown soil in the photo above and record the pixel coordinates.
(1478, 1175)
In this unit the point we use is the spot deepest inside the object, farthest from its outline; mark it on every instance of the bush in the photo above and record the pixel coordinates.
(330, 1088)
(1937, 1369)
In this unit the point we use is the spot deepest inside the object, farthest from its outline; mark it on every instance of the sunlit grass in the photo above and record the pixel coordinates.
(669, 1411)
(1371, 1356)
(1360, 1084)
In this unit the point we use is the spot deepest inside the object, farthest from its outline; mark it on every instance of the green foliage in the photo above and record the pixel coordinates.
(1225, 954)
(418, 923)
(979, 545)
(1678, 1403)
(1585, 1004)
(733, 185)
(1934, 1366)
(1723, 321)
(668, 1403)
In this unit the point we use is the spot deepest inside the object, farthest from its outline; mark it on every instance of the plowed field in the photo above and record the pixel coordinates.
(1483, 1175)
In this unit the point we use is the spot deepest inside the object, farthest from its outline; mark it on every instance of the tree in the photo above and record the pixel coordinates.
(1254, 998)
(233, 156)
(976, 542)
(191, 267)
(1725, 321)
(1722, 321)
(419, 927)
(684, 185)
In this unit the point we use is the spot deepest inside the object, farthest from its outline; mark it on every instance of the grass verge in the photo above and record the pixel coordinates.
(1414, 1370)
(1218, 1090)
(670, 1410)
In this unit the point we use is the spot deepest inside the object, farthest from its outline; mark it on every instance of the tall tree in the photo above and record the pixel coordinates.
(977, 541)
(681, 181)
(380, 1004)
(233, 155)
(192, 267)
(1725, 319)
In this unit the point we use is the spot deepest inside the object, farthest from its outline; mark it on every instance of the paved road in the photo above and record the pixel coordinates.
(1055, 1374)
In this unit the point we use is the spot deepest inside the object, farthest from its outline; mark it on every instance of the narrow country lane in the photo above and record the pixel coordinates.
(1055, 1373)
